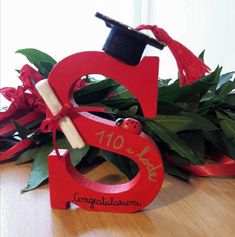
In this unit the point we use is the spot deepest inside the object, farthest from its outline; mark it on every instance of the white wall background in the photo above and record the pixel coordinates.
(61, 28)
(199, 24)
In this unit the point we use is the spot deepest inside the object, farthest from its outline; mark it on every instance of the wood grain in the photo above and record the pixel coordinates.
(202, 207)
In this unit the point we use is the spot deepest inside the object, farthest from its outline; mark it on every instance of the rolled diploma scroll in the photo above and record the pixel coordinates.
(55, 106)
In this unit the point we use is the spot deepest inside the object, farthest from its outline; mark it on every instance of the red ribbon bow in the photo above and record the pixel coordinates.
(21, 101)
(25, 107)
(51, 124)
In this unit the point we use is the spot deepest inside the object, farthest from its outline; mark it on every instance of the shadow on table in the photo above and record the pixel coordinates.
(79, 222)
(173, 190)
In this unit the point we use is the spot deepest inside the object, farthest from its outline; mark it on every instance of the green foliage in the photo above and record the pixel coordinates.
(39, 155)
(175, 171)
(127, 166)
(201, 55)
(94, 92)
(192, 93)
(190, 119)
(227, 126)
(23, 132)
(42, 61)
(195, 140)
(184, 121)
(171, 139)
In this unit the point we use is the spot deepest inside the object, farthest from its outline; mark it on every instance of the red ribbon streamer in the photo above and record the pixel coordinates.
(23, 102)
(25, 108)
(18, 147)
(20, 99)
(224, 167)
(10, 128)
(190, 67)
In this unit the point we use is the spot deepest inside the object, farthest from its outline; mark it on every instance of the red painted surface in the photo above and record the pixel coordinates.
(66, 183)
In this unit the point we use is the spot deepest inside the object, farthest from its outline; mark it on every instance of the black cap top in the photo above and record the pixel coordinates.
(126, 43)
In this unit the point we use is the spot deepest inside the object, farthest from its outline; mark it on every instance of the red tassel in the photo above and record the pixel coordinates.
(190, 67)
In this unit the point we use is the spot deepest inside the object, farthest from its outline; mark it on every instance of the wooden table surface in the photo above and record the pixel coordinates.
(202, 207)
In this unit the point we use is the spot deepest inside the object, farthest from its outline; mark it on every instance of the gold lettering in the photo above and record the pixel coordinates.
(118, 142)
(101, 134)
(150, 167)
(110, 139)
(130, 150)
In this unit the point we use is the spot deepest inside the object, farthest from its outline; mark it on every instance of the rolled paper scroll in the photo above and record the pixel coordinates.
(55, 107)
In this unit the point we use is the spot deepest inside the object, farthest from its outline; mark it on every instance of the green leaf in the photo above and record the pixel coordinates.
(122, 104)
(220, 142)
(193, 93)
(27, 155)
(177, 159)
(224, 79)
(94, 92)
(175, 171)
(206, 121)
(230, 114)
(39, 171)
(133, 109)
(124, 164)
(230, 99)
(163, 82)
(150, 132)
(42, 61)
(22, 131)
(172, 140)
(227, 125)
(219, 93)
(170, 93)
(201, 55)
(195, 140)
(210, 101)
(187, 121)
(77, 155)
(120, 92)
(165, 108)
(108, 110)
(224, 90)
(211, 80)
(121, 99)
(91, 79)
(92, 157)
(36, 56)
(45, 68)
(229, 146)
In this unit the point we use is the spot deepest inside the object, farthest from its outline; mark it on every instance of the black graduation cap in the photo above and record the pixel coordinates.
(124, 42)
